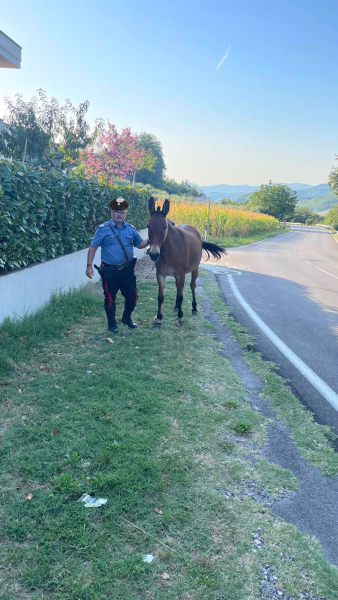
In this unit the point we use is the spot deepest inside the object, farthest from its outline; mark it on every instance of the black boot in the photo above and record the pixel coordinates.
(127, 320)
(110, 312)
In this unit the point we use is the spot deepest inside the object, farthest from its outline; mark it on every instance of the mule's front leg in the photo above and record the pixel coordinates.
(160, 299)
(180, 286)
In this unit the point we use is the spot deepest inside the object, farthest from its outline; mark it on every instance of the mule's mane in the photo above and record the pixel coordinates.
(158, 211)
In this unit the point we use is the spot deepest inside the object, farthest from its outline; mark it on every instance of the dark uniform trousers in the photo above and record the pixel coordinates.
(125, 281)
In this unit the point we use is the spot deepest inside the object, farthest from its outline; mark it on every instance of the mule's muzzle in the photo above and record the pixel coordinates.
(154, 256)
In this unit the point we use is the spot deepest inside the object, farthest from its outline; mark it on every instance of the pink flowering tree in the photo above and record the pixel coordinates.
(116, 156)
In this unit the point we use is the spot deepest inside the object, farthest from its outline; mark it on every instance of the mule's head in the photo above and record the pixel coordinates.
(157, 227)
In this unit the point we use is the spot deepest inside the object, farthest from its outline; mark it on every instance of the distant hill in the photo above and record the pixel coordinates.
(236, 197)
(223, 190)
(230, 191)
(316, 197)
(320, 203)
(299, 186)
(313, 191)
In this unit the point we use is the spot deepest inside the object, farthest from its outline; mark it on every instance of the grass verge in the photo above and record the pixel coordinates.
(18, 339)
(313, 440)
(159, 424)
(233, 242)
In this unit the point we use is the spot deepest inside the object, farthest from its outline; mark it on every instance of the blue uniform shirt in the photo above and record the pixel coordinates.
(112, 252)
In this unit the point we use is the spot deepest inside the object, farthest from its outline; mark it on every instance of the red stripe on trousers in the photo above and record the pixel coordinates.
(110, 297)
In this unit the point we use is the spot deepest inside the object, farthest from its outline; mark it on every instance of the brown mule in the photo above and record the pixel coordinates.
(176, 251)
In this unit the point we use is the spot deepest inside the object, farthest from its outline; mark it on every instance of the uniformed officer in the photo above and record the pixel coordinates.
(117, 239)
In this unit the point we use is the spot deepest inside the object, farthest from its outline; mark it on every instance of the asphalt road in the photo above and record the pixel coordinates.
(291, 283)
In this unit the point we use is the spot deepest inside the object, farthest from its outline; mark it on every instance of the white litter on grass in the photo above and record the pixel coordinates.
(91, 502)
(89, 372)
(148, 558)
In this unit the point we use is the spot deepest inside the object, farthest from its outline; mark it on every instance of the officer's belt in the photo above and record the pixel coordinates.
(118, 267)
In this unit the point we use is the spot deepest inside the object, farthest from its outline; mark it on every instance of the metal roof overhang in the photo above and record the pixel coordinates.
(10, 53)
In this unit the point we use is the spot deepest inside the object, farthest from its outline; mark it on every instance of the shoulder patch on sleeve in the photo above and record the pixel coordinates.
(103, 225)
(132, 226)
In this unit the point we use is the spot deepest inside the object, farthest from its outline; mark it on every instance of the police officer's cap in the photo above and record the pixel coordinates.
(119, 203)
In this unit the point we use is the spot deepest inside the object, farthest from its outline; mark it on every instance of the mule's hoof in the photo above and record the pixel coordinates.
(179, 323)
(157, 323)
(195, 312)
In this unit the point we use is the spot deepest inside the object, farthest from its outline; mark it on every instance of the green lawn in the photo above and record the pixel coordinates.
(153, 429)
(233, 242)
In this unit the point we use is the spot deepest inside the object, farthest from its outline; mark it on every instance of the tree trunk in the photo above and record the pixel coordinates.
(134, 179)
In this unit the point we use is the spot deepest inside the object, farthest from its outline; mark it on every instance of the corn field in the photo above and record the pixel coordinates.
(224, 221)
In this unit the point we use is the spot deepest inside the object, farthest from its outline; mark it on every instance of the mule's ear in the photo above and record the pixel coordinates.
(166, 207)
(151, 205)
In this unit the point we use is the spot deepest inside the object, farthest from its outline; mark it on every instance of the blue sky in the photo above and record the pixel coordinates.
(269, 112)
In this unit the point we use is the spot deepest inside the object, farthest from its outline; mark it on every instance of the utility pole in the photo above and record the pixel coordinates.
(206, 227)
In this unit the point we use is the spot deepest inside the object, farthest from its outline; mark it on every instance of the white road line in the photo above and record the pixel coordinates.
(304, 240)
(322, 270)
(310, 375)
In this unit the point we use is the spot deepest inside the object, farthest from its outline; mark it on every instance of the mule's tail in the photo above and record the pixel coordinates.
(213, 249)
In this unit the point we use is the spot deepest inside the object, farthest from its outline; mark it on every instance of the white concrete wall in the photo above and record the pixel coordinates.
(28, 290)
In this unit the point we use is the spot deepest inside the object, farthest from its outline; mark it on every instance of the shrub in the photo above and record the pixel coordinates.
(243, 428)
(332, 217)
(44, 214)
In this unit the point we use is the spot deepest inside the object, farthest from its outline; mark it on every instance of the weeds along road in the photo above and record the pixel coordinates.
(291, 284)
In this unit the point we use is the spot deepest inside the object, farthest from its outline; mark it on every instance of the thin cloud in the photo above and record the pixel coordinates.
(223, 59)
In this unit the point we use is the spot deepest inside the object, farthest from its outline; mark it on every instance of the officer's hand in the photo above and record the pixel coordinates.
(90, 272)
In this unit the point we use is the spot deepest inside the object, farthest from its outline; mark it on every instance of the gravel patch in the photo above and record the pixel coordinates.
(253, 491)
(270, 588)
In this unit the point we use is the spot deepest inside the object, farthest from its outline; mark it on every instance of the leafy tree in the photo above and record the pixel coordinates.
(303, 214)
(314, 219)
(23, 137)
(116, 155)
(332, 217)
(74, 132)
(140, 160)
(155, 177)
(227, 202)
(333, 179)
(173, 187)
(41, 132)
(274, 199)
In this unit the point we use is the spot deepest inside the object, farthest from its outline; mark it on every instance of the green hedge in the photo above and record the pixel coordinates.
(44, 214)
(332, 217)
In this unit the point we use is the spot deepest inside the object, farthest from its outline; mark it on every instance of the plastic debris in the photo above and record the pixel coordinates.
(91, 502)
(148, 558)
(89, 372)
